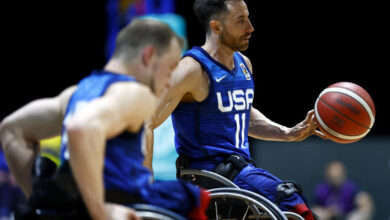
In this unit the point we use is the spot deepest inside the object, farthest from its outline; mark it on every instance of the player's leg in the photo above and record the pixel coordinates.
(178, 196)
(262, 182)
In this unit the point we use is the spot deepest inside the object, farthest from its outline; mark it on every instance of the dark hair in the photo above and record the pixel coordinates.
(207, 10)
(141, 32)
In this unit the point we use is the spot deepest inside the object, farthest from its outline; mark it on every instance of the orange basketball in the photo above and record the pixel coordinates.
(345, 112)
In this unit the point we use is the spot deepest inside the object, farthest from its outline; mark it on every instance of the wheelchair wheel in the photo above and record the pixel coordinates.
(228, 201)
(292, 215)
(231, 203)
(206, 179)
(150, 212)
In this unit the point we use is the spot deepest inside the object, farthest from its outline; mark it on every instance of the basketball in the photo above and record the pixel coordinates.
(344, 112)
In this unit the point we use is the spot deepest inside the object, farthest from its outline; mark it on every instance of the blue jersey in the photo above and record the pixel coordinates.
(123, 168)
(217, 126)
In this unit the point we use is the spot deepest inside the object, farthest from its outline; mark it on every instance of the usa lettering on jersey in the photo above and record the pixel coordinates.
(238, 99)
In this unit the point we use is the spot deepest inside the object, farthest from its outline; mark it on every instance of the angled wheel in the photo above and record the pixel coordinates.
(150, 212)
(228, 201)
(231, 203)
(206, 179)
(292, 215)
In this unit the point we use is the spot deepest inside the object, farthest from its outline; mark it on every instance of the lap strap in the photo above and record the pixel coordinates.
(232, 166)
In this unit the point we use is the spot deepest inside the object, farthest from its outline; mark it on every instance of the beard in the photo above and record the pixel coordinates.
(234, 43)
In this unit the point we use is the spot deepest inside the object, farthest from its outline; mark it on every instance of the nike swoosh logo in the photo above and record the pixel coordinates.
(219, 79)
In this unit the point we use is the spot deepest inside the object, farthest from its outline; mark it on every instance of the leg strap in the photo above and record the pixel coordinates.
(286, 189)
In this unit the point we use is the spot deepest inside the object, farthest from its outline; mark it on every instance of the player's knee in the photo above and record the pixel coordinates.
(293, 191)
(287, 189)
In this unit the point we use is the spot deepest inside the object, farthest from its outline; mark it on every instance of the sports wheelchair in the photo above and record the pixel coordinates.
(144, 211)
(228, 201)
(44, 206)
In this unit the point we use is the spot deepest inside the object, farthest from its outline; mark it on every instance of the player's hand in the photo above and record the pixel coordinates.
(306, 128)
(120, 212)
(319, 133)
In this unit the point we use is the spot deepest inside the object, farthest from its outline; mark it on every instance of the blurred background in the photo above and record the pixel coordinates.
(297, 50)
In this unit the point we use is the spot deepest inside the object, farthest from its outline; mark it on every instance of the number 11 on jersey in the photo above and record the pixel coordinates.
(240, 130)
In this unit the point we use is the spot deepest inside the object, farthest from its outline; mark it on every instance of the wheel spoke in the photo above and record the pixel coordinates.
(230, 211)
(216, 210)
(243, 218)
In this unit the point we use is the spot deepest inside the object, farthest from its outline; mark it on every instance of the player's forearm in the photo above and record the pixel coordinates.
(20, 156)
(148, 161)
(261, 127)
(86, 148)
(268, 131)
(165, 107)
(161, 114)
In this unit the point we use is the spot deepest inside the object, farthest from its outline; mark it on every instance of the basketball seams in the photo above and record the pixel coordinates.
(337, 111)
(356, 97)
(363, 94)
(343, 120)
(344, 115)
(333, 132)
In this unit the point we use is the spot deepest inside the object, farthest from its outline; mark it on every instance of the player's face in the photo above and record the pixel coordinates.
(237, 27)
(164, 67)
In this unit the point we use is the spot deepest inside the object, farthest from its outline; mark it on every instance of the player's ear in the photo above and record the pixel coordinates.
(147, 54)
(216, 26)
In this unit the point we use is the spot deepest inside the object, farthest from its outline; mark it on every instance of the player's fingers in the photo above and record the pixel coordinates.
(311, 125)
(320, 134)
(310, 120)
(311, 112)
(310, 115)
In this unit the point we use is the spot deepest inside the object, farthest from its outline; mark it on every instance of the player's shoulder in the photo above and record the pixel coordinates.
(130, 88)
(245, 57)
(187, 74)
(190, 66)
(247, 61)
(144, 94)
(132, 93)
(65, 96)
